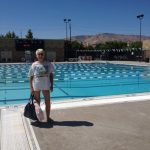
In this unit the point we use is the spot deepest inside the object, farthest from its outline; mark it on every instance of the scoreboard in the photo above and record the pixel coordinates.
(26, 44)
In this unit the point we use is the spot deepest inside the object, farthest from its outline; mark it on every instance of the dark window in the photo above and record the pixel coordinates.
(25, 44)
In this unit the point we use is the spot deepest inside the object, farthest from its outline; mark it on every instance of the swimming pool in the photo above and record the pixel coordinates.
(75, 80)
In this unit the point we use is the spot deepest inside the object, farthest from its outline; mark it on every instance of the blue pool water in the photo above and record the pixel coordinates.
(75, 80)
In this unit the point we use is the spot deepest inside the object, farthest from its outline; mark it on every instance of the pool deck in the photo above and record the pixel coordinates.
(108, 127)
(121, 123)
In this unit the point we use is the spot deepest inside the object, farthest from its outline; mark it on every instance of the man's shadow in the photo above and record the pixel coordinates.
(61, 123)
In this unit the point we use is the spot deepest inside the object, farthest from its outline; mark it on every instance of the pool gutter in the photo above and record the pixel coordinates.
(102, 100)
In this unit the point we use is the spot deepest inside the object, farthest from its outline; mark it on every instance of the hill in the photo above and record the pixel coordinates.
(105, 37)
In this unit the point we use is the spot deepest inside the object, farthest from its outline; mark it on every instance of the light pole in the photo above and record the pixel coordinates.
(140, 17)
(67, 21)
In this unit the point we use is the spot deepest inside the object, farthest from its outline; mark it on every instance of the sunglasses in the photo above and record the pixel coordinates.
(41, 54)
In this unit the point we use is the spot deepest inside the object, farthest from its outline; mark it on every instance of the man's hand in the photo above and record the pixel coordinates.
(51, 88)
(32, 91)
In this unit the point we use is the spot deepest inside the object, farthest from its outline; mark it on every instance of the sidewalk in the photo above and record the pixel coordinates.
(123, 126)
(12, 132)
(118, 126)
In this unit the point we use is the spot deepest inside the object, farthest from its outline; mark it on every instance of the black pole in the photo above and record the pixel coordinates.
(70, 30)
(67, 43)
(140, 17)
(70, 45)
(140, 30)
(66, 22)
(141, 53)
(66, 32)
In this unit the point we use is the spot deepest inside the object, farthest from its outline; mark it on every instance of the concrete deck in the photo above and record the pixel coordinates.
(12, 132)
(100, 123)
(122, 126)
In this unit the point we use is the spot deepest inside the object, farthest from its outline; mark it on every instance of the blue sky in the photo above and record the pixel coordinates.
(89, 17)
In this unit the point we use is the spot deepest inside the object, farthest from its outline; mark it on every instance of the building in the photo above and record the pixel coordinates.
(23, 50)
(146, 48)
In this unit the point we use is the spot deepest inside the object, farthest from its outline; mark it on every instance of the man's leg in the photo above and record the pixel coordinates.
(46, 94)
(37, 96)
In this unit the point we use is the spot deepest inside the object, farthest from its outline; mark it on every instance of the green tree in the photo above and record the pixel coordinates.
(89, 47)
(101, 46)
(82, 46)
(76, 45)
(136, 44)
(111, 45)
(2, 36)
(29, 34)
(9, 35)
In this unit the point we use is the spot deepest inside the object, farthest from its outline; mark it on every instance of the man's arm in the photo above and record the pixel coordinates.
(51, 80)
(31, 86)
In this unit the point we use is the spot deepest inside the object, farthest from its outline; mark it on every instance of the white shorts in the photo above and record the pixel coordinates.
(42, 83)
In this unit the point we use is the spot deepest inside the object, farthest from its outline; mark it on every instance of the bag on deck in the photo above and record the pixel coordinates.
(38, 110)
(29, 110)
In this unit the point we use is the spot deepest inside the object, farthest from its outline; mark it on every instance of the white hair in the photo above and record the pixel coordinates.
(39, 51)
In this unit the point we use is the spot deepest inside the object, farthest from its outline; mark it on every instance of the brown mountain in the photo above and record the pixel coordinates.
(105, 37)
